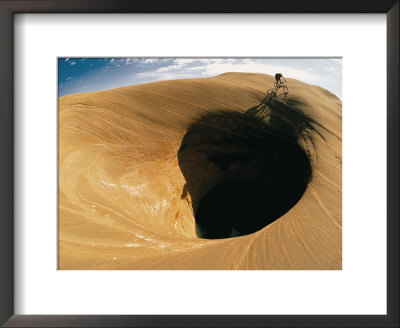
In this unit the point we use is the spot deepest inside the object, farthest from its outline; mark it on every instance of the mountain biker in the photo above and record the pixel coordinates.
(280, 83)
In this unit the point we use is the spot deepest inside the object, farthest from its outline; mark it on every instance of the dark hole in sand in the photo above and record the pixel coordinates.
(242, 173)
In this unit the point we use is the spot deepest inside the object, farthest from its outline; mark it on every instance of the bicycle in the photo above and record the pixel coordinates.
(280, 83)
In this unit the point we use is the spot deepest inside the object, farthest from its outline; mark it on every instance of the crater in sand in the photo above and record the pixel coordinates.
(241, 173)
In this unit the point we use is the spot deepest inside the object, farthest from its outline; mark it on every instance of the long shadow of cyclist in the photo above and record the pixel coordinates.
(284, 116)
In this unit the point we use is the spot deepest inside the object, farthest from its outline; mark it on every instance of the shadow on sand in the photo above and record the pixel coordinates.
(244, 171)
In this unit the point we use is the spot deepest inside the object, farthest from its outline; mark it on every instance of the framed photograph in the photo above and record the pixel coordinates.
(195, 165)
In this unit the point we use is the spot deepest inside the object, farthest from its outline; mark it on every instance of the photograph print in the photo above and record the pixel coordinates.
(199, 163)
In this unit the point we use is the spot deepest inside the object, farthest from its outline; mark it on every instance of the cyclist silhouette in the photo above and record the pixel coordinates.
(280, 83)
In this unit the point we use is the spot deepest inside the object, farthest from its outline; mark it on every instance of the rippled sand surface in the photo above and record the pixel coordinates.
(126, 200)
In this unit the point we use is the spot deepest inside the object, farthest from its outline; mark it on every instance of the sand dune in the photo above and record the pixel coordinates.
(136, 163)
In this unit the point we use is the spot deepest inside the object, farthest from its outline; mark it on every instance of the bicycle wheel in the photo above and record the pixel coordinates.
(285, 89)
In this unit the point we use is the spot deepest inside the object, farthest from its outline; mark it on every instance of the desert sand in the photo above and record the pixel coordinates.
(135, 164)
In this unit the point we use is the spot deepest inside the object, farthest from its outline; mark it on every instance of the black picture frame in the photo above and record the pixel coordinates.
(7, 11)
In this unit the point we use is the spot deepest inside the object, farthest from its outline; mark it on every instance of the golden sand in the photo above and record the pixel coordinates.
(122, 197)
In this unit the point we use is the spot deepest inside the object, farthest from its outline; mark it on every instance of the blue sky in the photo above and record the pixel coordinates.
(94, 74)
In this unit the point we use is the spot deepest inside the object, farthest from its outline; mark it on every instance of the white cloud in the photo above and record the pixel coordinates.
(253, 67)
(156, 76)
(169, 68)
(183, 61)
(149, 60)
(211, 67)
(72, 63)
(127, 61)
(336, 60)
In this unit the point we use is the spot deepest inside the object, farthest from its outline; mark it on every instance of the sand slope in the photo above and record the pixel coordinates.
(122, 197)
